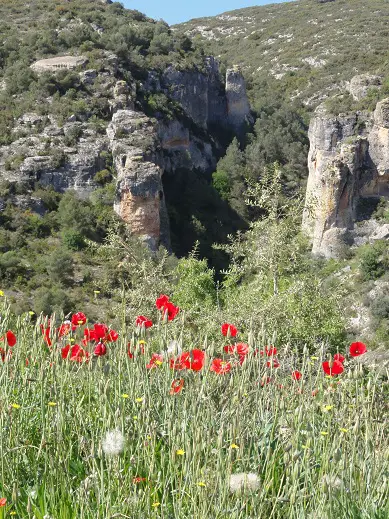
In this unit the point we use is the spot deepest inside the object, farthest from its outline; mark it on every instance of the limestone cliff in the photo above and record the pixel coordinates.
(68, 155)
(348, 161)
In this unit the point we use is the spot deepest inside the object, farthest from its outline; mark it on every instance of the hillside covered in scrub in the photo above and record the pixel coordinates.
(139, 159)
(304, 49)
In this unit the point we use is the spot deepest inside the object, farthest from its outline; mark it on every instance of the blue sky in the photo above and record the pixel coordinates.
(175, 11)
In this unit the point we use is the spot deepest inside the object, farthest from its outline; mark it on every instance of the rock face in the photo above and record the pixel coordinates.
(58, 63)
(238, 106)
(140, 198)
(67, 164)
(359, 86)
(348, 162)
(204, 98)
(144, 149)
(69, 155)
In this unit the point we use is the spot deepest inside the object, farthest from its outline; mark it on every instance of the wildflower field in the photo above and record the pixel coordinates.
(135, 422)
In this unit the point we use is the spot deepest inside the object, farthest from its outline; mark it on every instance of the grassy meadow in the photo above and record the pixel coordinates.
(139, 424)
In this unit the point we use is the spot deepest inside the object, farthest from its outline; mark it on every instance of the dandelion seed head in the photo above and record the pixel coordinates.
(113, 443)
(331, 483)
(244, 481)
(174, 348)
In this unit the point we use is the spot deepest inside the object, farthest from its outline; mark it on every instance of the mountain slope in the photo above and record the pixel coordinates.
(305, 48)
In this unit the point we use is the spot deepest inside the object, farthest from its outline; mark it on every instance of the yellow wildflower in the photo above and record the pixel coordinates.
(344, 430)
(1, 293)
(180, 452)
(52, 404)
(139, 400)
(323, 433)
(155, 505)
(15, 406)
(124, 395)
(327, 408)
(201, 484)
(234, 446)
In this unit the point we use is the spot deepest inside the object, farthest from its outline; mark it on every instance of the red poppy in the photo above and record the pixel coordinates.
(265, 381)
(100, 349)
(3, 501)
(177, 386)
(336, 368)
(112, 336)
(156, 360)
(65, 351)
(296, 375)
(229, 330)
(64, 329)
(138, 479)
(89, 335)
(339, 357)
(270, 352)
(196, 360)
(240, 348)
(78, 318)
(3, 354)
(181, 362)
(170, 310)
(99, 331)
(357, 349)
(161, 302)
(273, 363)
(141, 320)
(77, 354)
(11, 338)
(46, 335)
(220, 367)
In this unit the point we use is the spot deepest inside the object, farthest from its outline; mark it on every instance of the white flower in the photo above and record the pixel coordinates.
(113, 443)
(243, 481)
(331, 483)
(174, 348)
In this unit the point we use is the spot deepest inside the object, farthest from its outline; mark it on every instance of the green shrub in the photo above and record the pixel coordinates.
(103, 177)
(73, 240)
(371, 261)
(195, 287)
(60, 267)
(48, 301)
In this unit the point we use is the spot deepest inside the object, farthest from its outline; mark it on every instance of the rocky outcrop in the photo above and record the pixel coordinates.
(48, 154)
(144, 149)
(68, 155)
(58, 63)
(348, 162)
(379, 144)
(238, 106)
(140, 198)
(204, 97)
(359, 86)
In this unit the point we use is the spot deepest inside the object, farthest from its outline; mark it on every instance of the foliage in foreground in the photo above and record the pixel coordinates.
(123, 435)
